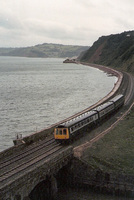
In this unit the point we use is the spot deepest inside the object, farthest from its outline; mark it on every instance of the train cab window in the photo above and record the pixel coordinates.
(60, 132)
(56, 131)
(64, 131)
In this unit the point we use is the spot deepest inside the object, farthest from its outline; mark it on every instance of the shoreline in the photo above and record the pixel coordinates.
(102, 68)
(42, 134)
(109, 71)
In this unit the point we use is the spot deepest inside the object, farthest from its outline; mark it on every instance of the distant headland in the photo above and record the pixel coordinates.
(46, 50)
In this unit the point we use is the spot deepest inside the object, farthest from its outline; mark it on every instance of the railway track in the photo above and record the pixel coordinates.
(27, 151)
(26, 156)
(34, 154)
(27, 160)
(126, 88)
(28, 164)
(130, 90)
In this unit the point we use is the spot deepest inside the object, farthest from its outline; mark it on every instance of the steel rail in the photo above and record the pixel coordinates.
(26, 158)
(26, 151)
(29, 163)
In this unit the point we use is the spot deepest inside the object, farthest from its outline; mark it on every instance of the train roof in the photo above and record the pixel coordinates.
(103, 106)
(77, 119)
(116, 98)
(89, 113)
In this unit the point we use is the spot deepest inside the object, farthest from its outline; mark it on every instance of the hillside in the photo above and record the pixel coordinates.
(44, 51)
(113, 50)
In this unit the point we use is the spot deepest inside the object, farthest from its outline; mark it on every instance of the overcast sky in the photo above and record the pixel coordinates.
(77, 22)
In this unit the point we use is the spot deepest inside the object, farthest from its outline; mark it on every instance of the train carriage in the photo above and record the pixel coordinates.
(68, 130)
(118, 101)
(105, 109)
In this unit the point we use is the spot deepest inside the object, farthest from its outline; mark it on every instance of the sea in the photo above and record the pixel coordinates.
(38, 92)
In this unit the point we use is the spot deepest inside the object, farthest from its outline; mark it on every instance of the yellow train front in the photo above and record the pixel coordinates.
(68, 130)
(61, 133)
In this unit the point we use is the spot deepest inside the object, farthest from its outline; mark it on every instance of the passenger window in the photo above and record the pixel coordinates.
(64, 131)
(60, 132)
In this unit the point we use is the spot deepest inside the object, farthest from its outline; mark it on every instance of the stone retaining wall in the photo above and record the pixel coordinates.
(82, 174)
(22, 184)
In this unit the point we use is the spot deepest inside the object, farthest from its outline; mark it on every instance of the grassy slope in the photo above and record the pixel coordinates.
(113, 50)
(115, 151)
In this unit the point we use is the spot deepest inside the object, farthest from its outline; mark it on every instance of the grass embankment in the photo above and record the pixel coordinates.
(115, 151)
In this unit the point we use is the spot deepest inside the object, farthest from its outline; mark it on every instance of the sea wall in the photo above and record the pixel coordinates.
(21, 143)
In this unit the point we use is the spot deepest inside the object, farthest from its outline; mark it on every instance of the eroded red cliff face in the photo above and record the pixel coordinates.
(96, 55)
(113, 50)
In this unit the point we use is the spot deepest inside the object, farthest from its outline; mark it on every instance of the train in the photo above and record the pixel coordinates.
(70, 129)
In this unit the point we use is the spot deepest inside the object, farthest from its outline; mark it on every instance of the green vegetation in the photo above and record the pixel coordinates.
(115, 151)
(45, 51)
(113, 50)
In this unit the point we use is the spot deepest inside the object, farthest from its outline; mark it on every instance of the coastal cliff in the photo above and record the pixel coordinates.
(114, 50)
